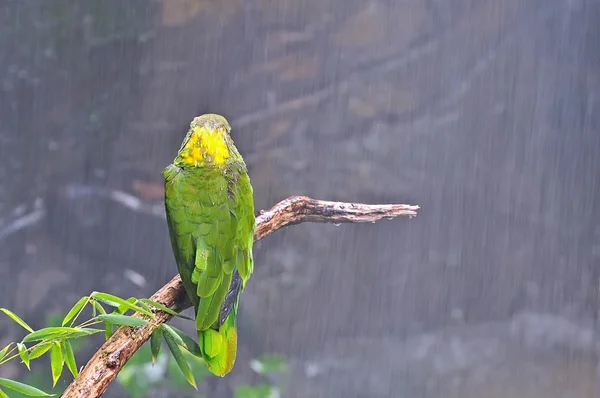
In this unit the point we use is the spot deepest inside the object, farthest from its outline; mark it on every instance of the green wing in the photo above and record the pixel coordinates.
(242, 203)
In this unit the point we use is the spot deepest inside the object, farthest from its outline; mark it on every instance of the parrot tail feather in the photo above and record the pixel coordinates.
(208, 310)
(219, 347)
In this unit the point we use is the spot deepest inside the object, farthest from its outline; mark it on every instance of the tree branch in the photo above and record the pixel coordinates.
(107, 362)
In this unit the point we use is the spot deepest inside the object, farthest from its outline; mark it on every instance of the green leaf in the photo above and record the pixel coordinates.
(122, 320)
(123, 308)
(155, 343)
(56, 362)
(117, 302)
(143, 305)
(108, 330)
(59, 332)
(48, 333)
(3, 394)
(69, 358)
(15, 318)
(5, 350)
(164, 309)
(179, 358)
(174, 335)
(197, 365)
(24, 354)
(188, 342)
(98, 307)
(75, 310)
(39, 350)
(23, 388)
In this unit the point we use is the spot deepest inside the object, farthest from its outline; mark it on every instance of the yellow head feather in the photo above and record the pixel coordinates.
(207, 141)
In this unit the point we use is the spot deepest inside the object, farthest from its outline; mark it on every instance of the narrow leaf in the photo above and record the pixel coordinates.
(108, 330)
(122, 320)
(56, 362)
(56, 332)
(179, 358)
(39, 350)
(70, 357)
(23, 388)
(155, 343)
(5, 350)
(123, 308)
(75, 310)
(164, 308)
(15, 318)
(81, 332)
(170, 331)
(143, 305)
(117, 302)
(98, 307)
(188, 342)
(24, 354)
(3, 394)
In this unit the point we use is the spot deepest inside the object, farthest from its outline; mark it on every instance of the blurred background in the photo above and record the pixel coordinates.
(485, 113)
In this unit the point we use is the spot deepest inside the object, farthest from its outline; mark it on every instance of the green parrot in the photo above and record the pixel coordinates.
(210, 215)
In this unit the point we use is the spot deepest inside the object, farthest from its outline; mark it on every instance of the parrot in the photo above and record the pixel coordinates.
(209, 206)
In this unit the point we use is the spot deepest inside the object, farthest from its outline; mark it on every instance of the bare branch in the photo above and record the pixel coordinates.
(106, 363)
